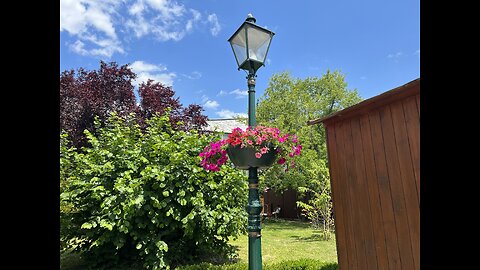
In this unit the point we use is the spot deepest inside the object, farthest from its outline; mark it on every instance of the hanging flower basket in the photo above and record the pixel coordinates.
(244, 158)
(258, 147)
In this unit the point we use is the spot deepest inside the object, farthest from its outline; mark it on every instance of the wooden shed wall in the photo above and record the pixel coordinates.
(287, 201)
(374, 157)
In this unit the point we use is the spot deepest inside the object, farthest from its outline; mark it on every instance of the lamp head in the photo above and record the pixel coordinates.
(250, 44)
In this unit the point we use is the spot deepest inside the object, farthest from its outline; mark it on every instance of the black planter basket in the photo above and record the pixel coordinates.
(244, 158)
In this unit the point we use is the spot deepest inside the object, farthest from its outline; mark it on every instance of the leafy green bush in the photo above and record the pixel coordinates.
(300, 264)
(142, 196)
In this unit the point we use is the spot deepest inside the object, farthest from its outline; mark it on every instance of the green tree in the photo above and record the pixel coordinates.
(141, 195)
(288, 103)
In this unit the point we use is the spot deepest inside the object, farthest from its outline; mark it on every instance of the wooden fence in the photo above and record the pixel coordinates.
(374, 157)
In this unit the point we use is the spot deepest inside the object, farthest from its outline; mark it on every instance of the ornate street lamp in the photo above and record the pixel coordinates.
(250, 44)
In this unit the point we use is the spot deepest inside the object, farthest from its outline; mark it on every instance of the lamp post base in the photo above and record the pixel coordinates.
(254, 252)
(254, 209)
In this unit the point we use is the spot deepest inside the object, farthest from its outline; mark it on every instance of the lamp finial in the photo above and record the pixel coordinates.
(250, 18)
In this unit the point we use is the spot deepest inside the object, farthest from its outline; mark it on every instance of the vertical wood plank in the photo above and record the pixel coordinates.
(398, 198)
(386, 201)
(407, 179)
(358, 165)
(337, 198)
(353, 192)
(418, 104)
(353, 258)
(374, 195)
(412, 122)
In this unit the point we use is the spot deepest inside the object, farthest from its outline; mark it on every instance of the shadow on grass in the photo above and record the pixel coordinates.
(313, 238)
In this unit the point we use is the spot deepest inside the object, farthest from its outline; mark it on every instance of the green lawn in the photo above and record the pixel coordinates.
(289, 240)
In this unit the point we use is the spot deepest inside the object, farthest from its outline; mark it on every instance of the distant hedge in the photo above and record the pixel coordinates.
(300, 264)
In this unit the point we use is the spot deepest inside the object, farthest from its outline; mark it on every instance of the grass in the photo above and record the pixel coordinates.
(289, 240)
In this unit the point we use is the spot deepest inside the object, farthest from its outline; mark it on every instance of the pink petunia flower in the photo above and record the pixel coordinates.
(258, 155)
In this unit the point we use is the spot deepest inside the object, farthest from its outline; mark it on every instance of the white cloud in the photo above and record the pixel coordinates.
(168, 9)
(211, 104)
(139, 26)
(136, 8)
(204, 98)
(215, 26)
(102, 21)
(230, 114)
(239, 93)
(208, 103)
(196, 14)
(394, 55)
(140, 66)
(91, 21)
(222, 93)
(164, 19)
(72, 16)
(194, 75)
(196, 17)
(78, 47)
(147, 71)
(96, 25)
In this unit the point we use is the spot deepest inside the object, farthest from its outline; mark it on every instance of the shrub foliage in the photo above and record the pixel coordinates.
(138, 195)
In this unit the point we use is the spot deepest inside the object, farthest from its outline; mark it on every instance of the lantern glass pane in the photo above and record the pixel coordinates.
(239, 44)
(258, 42)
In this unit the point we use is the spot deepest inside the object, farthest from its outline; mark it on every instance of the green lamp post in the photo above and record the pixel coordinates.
(250, 44)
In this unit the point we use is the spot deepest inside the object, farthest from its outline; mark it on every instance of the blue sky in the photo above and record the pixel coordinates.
(376, 44)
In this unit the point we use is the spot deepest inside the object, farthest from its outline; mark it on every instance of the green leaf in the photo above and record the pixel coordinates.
(165, 193)
(162, 245)
(160, 177)
(183, 202)
(105, 224)
(139, 199)
(87, 225)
